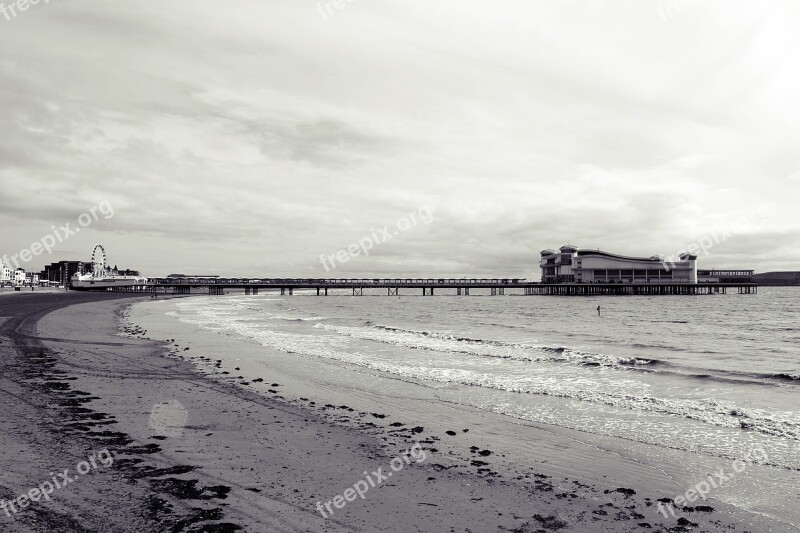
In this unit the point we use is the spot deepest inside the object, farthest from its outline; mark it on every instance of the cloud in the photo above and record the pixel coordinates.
(252, 140)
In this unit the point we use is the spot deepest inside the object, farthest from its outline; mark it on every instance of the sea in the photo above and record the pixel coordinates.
(696, 380)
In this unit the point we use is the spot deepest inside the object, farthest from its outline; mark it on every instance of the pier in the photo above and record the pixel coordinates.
(429, 287)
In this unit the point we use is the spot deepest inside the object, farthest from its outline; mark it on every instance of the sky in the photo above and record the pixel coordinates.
(450, 138)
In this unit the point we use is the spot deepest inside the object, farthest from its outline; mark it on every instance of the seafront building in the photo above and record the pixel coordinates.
(571, 264)
(17, 277)
(61, 272)
(5, 274)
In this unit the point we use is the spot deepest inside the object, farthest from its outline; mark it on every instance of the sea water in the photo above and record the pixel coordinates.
(712, 377)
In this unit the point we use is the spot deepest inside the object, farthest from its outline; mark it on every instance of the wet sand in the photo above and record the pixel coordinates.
(193, 453)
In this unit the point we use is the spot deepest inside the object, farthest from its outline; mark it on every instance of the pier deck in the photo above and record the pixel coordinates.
(429, 286)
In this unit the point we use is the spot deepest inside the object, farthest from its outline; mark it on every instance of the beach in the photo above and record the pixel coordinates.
(200, 447)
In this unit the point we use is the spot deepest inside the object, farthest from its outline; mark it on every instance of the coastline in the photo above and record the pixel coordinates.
(261, 463)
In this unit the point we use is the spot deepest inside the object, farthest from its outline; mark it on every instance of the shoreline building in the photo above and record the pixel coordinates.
(571, 264)
(6, 274)
(61, 273)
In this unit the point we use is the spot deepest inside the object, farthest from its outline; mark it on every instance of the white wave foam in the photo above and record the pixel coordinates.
(505, 350)
(617, 393)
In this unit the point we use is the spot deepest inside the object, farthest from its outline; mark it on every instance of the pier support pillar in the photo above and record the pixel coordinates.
(393, 292)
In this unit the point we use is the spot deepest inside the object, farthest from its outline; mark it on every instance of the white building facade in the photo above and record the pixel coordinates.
(6, 274)
(19, 277)
(573, 265)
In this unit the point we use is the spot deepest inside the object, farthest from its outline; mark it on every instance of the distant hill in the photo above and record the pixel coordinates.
(778, 279)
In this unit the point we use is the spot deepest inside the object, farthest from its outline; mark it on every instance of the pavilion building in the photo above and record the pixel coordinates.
(571, 264)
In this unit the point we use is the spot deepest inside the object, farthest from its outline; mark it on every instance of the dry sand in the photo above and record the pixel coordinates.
(192, 453)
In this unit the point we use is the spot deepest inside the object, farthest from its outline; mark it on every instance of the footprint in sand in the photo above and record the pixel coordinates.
(168, 418)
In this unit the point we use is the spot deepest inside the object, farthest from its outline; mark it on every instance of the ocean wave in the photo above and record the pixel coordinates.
(564, 385)
(442, 342)
(656, 345)
(244, 304)
(736, 376)
(289, 318)
(784, 376)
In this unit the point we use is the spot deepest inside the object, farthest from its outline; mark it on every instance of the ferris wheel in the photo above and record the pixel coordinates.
(99, 261)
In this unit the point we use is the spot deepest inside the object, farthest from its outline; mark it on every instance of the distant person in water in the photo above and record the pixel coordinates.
(598, 310)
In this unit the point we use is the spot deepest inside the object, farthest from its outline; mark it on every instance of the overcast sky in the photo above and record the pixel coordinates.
(251, 137)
